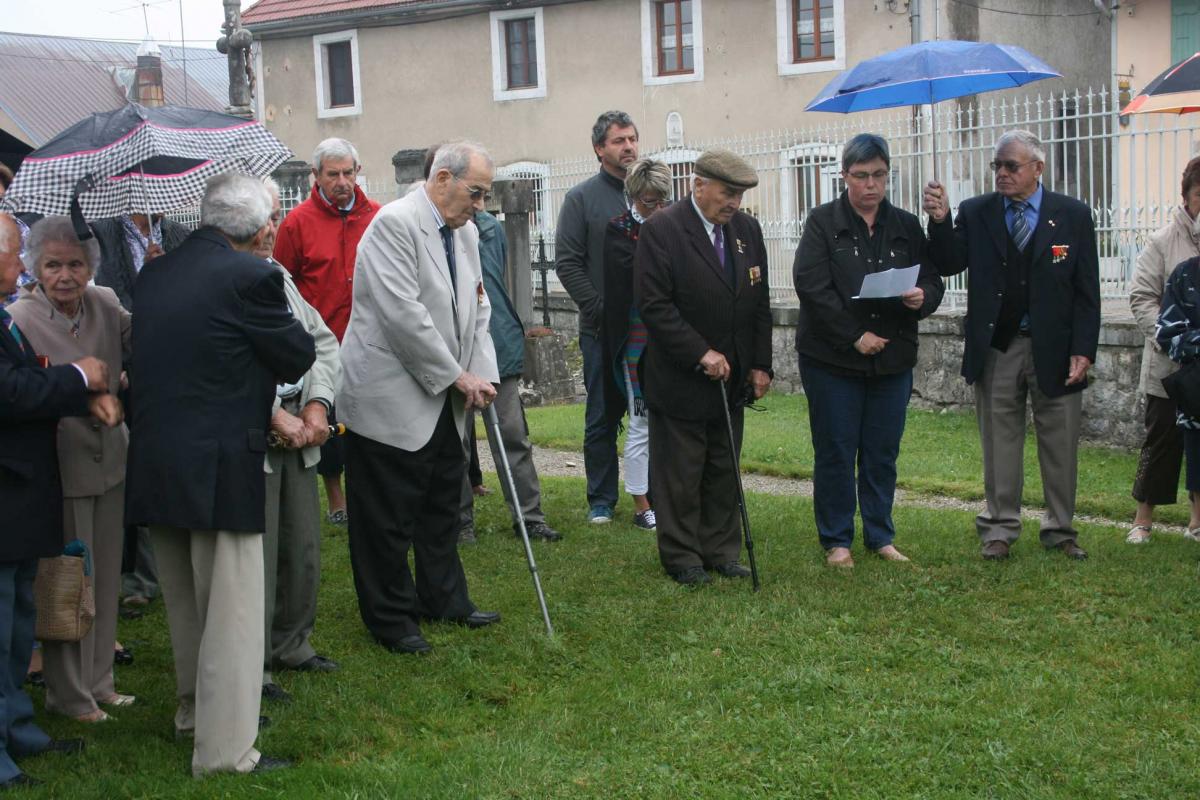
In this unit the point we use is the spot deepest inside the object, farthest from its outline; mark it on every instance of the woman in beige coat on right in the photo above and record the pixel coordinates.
(1157, 479)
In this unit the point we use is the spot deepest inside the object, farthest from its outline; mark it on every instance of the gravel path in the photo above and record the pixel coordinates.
(570, 464)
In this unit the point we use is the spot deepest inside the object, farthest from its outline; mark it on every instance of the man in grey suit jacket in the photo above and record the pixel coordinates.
(416, 356)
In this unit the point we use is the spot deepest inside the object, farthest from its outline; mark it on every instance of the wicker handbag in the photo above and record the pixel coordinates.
(63, 595)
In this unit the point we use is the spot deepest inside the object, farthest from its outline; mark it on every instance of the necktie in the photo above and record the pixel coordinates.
(1020, 226)
(448, 244)
(11, 326)
(719, 244)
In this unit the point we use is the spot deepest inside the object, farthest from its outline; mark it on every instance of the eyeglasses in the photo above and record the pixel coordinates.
(879, 175)
(476, 192)
(1010, 166)
(653, 202)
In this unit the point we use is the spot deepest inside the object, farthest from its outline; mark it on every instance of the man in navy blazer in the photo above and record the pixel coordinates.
(32, 399)
(212, 337)
(1032, 327)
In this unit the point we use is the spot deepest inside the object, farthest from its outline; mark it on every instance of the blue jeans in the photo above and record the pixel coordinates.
(599, 437)
(855, 422)
(19, 736)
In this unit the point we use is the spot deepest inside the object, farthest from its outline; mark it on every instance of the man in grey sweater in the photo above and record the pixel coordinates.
(579, 262)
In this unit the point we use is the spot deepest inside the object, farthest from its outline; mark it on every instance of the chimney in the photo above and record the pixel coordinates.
(148, 78)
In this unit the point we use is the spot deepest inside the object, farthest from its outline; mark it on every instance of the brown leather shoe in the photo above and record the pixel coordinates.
(1071, 549)
(995, 550)
(839, 557)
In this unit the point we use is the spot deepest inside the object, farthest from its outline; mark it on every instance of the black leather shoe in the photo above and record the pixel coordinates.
(124, 656)
(19, 781)
(995, 550)
(692, 576)
(35, 679)
(539, 530)
(732, 570)
(409, 644)
(477, 619)
(275, 693)
(316, 664)
(67, 746)
(269, 764)
(1071, 549)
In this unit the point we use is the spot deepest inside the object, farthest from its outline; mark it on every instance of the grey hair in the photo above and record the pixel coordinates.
(272, 187)
(648, 175)
(333, 148)
(236, 205)
(10, 234)
(58, 230)
(456, 157)
(1022, 137)
(863, 148)
(606, 121)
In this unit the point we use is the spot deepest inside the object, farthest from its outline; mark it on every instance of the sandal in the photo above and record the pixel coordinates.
(1138, 534)
(99, 715)
(118, 700)
(1193, 534)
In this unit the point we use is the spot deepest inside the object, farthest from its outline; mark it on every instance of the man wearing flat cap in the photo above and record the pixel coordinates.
(700, 283)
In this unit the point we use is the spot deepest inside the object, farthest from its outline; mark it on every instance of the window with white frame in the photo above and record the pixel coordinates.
(339, 87)
(672, 41)
(682, 162)
(811, 36)
(536, 175)
(518, 54)
(812, 175)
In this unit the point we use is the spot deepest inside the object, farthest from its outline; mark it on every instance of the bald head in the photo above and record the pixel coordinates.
(10, 254)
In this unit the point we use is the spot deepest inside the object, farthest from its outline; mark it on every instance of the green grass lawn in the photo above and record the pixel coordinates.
(939, 455)
(945, 678)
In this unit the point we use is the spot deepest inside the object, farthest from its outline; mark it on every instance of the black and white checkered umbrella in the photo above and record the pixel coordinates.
(140, 160)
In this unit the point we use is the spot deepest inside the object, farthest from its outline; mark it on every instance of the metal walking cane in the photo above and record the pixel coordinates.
(492, 420)
(741, 492)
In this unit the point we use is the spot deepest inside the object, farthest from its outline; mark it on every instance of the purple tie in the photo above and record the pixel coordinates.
(719, 244)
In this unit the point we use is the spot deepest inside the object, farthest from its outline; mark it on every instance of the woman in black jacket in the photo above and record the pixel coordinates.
(856, 356)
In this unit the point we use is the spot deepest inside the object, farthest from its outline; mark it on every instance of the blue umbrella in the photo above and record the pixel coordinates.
(930, 72)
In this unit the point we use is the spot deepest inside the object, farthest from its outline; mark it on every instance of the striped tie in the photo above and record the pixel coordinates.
(1020, 226)
(10, 325)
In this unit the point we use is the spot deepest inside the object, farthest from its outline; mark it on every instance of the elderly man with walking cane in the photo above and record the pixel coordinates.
(700, 284)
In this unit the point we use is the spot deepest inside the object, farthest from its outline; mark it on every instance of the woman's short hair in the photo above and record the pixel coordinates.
(57, 230)
(863, 148)
(647, 175)
(1191, 176)
(236, 205)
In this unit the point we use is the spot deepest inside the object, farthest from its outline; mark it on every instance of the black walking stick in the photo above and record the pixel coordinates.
(737, 470)
(492, 420)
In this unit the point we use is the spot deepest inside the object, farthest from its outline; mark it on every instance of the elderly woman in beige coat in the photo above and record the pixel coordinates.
(1157, 478)
(65, 319)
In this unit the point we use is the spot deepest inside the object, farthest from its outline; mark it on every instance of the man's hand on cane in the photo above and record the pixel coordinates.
(477, 392)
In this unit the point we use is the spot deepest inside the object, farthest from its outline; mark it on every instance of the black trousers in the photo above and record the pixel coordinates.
(695, 491)
(1157, 478)
(397, 499)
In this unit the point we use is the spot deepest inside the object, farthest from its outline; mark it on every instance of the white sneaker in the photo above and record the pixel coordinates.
(1138, 534)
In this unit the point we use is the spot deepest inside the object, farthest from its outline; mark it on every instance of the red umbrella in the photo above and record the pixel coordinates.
(1175, 91)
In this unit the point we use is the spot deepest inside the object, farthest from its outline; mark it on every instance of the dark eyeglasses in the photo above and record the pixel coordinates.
(1009, 166)
(477, 192)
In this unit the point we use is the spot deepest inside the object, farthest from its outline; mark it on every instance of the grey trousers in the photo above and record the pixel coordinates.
(292, 556)
(515, 433)
(1000, 396)
(80, 674)
(212, 584)
(143, 579)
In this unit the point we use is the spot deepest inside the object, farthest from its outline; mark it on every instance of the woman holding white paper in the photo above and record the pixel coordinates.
(856, 356)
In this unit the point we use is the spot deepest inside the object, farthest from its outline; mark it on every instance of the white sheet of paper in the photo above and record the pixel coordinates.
(889, 283)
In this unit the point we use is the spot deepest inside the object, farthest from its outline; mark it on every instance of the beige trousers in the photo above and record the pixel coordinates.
(80, 674)
(1000, 396)
(212, 584)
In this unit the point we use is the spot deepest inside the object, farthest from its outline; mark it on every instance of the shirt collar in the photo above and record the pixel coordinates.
(348, 207)
(1034, 200)
(708, 226)
(437, 215)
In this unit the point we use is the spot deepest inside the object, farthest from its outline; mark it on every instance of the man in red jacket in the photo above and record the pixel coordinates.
(316, 243)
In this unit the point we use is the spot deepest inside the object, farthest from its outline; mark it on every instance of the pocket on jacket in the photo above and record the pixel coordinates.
(21, 470)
